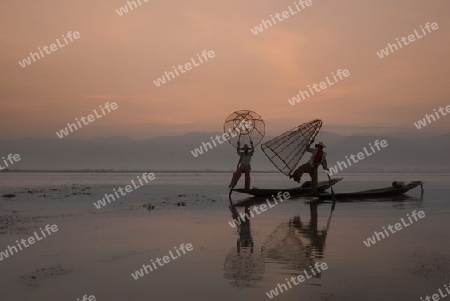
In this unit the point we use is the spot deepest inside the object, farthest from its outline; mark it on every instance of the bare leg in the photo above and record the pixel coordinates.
(247, 177)
(236, 177)
(298, 173)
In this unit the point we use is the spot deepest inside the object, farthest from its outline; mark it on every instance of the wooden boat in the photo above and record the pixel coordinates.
(285, 152)
(296, 191)
(382, 192)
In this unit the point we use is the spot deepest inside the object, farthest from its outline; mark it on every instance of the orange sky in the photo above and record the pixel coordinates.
(117, 59)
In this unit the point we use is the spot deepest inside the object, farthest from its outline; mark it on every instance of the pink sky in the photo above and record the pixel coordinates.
(117, 59)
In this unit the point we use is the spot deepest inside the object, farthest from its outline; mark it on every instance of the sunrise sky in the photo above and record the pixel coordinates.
(118, 57)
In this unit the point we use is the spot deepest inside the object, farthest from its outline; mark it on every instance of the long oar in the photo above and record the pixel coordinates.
(332, 192)
(329, 218)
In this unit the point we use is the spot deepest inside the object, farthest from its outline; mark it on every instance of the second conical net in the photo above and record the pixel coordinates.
(285, 151)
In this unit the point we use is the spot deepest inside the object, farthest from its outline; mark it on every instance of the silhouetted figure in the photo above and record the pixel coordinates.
(318, 157)
(245, 155)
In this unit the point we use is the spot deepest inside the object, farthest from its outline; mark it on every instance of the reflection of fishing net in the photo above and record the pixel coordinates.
(287, 247)
(243, 268)
(296, 245)
(286, 150)
(244, 126)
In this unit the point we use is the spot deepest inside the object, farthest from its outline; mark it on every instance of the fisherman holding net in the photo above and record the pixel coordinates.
(246, 128)
(245, 153)
(318, 157)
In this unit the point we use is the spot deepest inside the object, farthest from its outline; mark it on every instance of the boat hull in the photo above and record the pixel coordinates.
(383, 192)
(297, 191)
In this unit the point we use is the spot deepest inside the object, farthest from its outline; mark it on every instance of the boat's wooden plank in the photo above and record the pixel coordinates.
(321, 186)
(388, 191)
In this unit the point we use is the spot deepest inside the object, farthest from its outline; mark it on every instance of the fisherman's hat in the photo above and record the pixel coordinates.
(321, 144)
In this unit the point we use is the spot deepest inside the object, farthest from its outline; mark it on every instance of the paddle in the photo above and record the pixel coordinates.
(332, 191)
(329, 218)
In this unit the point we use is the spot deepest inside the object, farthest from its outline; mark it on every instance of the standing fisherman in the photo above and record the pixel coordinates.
(245, 155)
(318, 157)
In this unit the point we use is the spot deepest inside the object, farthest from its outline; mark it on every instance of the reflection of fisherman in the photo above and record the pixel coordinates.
(243, 267)
(245, 154)
(317, 237)
(245, 235)
(318, 157)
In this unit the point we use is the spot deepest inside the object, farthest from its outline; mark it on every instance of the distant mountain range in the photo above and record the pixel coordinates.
(174, 153)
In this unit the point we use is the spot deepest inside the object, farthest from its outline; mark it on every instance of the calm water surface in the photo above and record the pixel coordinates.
(101, 248)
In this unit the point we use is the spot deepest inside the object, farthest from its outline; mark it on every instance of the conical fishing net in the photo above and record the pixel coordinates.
(285, 151)
(244, 126)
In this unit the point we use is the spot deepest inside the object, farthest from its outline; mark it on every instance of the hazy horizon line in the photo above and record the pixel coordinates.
(393, 133)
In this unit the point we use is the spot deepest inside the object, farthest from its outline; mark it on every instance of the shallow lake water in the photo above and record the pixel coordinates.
(95, 251)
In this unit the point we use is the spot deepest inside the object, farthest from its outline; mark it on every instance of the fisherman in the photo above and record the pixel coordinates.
(318, 157)
(245, 155)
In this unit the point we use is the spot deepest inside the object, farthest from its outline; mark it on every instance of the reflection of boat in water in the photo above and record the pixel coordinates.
(294, 244)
